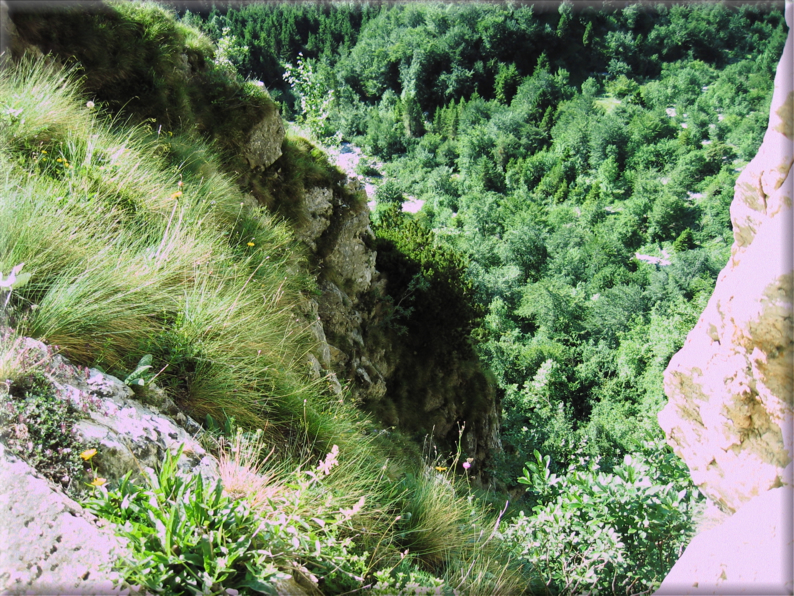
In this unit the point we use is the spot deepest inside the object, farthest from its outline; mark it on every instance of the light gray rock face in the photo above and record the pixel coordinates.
(338, 318)
(131, 436)
(264, 143)
(351, 260)
(749, 553)
(318, 206)
(731, 386)
(50, 545)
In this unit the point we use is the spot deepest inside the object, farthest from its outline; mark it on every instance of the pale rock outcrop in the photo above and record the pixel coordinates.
(339, 236)
(50, 545)
(263, 146)
(731, 386)
(351, 260)
(749, 553)
(131, 436)
(317, 209)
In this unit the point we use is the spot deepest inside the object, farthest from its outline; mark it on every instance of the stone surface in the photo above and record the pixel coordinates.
(131, 436)
(730, 387)
(50, 545)
(264, 143)
(351, 260)
(317, 209)
(749, 553)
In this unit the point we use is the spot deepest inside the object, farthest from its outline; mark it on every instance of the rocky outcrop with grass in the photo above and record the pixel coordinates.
(353, 321)
(731, 386)
(51, 543)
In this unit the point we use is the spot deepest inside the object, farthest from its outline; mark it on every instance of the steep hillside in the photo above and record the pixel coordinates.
(174, 238)
(221, 366)
(185, 90)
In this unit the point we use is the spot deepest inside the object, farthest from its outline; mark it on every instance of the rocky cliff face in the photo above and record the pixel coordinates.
(347, 318)
(731, 387)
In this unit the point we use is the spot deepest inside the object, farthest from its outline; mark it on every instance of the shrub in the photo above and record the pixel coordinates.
(247, 533)
(617, 531)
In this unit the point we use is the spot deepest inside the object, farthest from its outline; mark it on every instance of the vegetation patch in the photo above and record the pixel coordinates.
(38, 425)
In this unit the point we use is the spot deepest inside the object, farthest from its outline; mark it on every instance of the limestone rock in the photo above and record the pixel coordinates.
(131, 436)
(731, 387)
(351, 260)
(264, 142)
(317, 209)
(50, 545)
(749, 553)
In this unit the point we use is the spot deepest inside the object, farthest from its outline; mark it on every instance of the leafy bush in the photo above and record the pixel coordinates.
(606, 529)
(316, 97)
(247, 533)
(188, 537)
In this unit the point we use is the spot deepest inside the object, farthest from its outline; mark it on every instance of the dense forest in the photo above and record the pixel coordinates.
(575, 167)
(578, 162)
(581, 162)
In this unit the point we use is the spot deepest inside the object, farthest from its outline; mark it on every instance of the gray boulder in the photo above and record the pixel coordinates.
(50, 545)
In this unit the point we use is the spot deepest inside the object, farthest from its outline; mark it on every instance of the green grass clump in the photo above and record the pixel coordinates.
(129, 256)
(137, 57)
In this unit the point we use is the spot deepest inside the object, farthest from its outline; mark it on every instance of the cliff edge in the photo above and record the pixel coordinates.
(731, 387)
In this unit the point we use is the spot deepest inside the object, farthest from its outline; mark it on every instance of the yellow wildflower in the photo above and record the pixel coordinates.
(250, 244)
(98, 481)
(88, 454)
(177, 194)
(440, 469)
(59, 159)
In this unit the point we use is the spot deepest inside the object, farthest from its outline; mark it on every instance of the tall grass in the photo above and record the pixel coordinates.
(139, 243)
